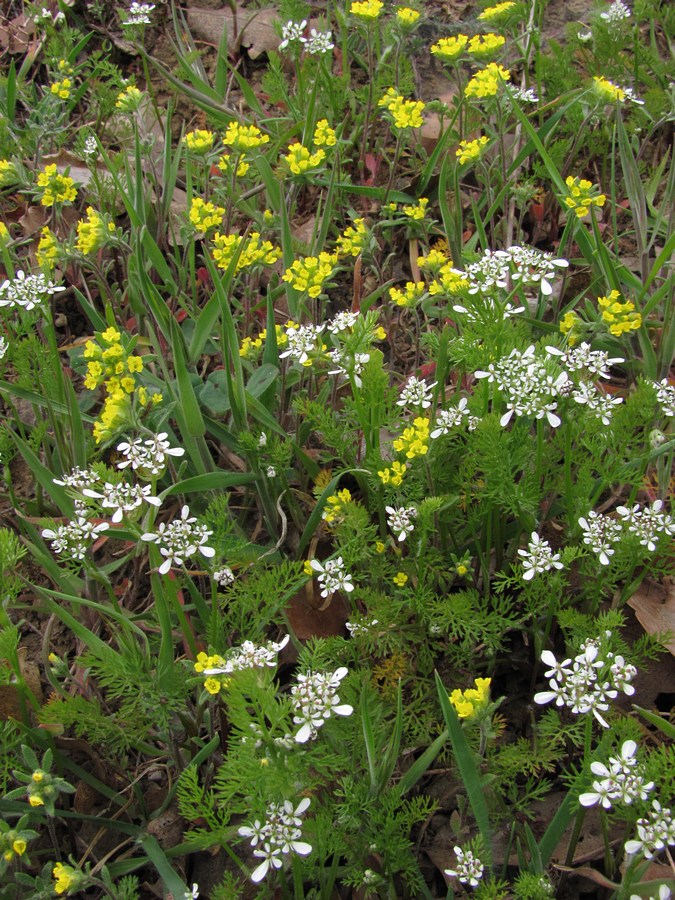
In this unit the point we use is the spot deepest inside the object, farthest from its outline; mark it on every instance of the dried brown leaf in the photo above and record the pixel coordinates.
(255, 28)
(654, 606)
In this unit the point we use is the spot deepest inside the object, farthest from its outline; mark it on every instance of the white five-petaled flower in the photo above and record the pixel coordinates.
(319, 41)
(224, 576)
(315, 699)
(600, 533)
(122, 498)
(249, 656)
(332, 576)
(416, 392)
(27, 291)
(75, 538)
(655, 831)
(139, 14)
(279, 835)
(148, 458)
(302, 341)
(179, 540)
(647, 524)
(450, 418)
(621, 779)
(665, 395)
(400, 520)
(539, 557)
(292, 32)
(469, 869)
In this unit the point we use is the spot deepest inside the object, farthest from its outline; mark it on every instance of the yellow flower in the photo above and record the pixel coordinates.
(134, 364)
(129, 99)
(379, 547)
(450, 48)
(414, 291)
(111, 336)
(607, 90)
(199, 141)
(335, 506)
(405, 113)
(299, 160)
(241, 138)
(449, 281)
(353, 239)
(324, 135)
(569, 326)
(582, 196)
(113, 416)
(19, 846)
(35, 800)
(366, 9)
(621, 317)
(407, 16)
(486, 82)
(7, 172)
(62, 88)
(472, 701)
(434, 259)
(393, 475)
(205, 216)
(400, 579)
(212, 685)
(471, 150)
(5, 236)
(56, 188)
(93, 231)
(311, 273)
(204, 661)
(38, 776)
(225, 165)
(417, 211)
(307, 567)
(485, 46)
(250, 347)
(67, 878)
(415, 439)
(47, 249)
(254, 251)
(501, 10)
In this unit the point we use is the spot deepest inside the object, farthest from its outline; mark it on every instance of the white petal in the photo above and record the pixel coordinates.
(259, 873)
(301, 847)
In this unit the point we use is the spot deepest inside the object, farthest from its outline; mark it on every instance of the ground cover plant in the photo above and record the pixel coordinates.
(337, 448)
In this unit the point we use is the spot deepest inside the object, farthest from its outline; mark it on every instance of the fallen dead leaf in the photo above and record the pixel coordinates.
(654, 606)
(255, 28)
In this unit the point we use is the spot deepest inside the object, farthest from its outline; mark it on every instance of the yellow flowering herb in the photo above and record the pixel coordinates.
(582, 196)
(486, 46)
(400, 579)
(404, 113)
(607, 90)
(336, 504)
(418, 210)
(621, 317)
(254, 251)
(7, 172)
(469, 151)
(299, 159)
(62, 88)
(66, 877)
(415, 439)
(407, 16)
(451, 48)
(35, 800)
(486, 82)
(434, 260)
(93, 231)
(241, 138)
(56, 188)
(472, 701)
(225, 165)
(449, 281)
(47, 252)
(311, 273)
(379, 547)
(205, 216)
(410, 295)
(353, 239)
(393, 474)
(129, 100)
(368, 10)
(199, 142)
(324, 135)
(569, 325)
(500, 11)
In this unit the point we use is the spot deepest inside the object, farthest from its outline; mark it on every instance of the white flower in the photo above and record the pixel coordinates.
(139, 14)
(469, 869)
(665, 395)
(291, 32)
(249, 656)
(319, 41)
(192, 894)
(538, 557)
(342, 320)
(647, 524)
(271, 472)
(122, 498)
(90, 149)
(601, 405)
(278, 836)
(416, 393)
(315, 699)
(179, 540)
(78, 478)
(223, 576)
(302, 341)
(450, 418)
(75, 538)
(621, 779)
(4, 347)
(148, 457)
(27, 291)
(332, 576)
(616, 13)
(399, 520)
(584, 359)
(600, 532)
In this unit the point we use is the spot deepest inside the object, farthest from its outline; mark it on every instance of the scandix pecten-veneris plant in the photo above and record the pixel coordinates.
(335, 446)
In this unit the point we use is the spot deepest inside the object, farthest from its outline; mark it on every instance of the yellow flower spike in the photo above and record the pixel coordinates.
(353, 240)
(299, 159)
(56, 188)
(451, 48)
(48, 249)
(472, 701)
(500, 11)
(405, 113)
(129, 100)
(368, 10)
(486, 46)
(607, 90)
(324, 135)
(418, 210)
(469, 151)
(241, 138)
(582, 196)
(199, 142)
(486, 82)
(62, 88)
(410, 296)
(407, 17)
(205, 216)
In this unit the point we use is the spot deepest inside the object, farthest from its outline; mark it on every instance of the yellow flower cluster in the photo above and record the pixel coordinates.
(241, 138)
(47, 249)
(434, 260)
(569, 325)
(621, 317)
(112, 366)
(492, 13)
(324, 135)
(225, 165)
(62, 88)
(393, 474)
(129, 99)
(410, 296)
(199, 142)
(448, 281)
(418, 210)
(56, 188)
(484, 46)
(254, 251)
(205, 216)
(212, 684)
(471, 150)
(450, 48)
(7, 172)
(366, 9)
(93, 231)
(66, 877)
(582, 196)
(335, 506)
(310, 274)
(300, 160)
(415, 439)
(250, 346)
(486, 82)
(353, 239)
(607, 90)
(405, 113)
(472, 701)
(407, 16)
